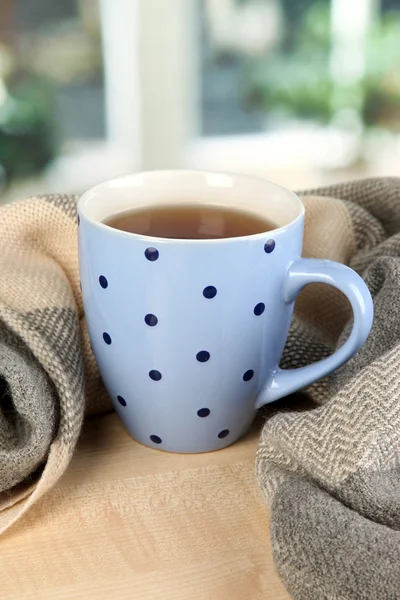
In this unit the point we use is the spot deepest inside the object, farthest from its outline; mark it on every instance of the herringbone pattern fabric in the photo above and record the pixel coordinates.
(331, 474)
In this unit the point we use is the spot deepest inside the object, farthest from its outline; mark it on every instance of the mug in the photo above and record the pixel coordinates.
(188, 333)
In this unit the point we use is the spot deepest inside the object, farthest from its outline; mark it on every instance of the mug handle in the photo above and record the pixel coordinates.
(312, 270)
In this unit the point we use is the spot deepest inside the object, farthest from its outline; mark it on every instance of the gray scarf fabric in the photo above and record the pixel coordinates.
(331, 473)
(48, 374)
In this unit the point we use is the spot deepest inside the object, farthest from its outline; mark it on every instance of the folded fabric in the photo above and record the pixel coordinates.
(46, 365)
(331, 474)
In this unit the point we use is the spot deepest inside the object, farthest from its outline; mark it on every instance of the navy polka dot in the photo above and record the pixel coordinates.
(259, 309)
(151, 320)
(155, 375)
(269, 246)
(121, 400)
(151, 254)
(156, 439)
(210, 292)
(203, 412)
(103, 282)
(248, 375)
(203, 356)
(222, 434)
(107, 338)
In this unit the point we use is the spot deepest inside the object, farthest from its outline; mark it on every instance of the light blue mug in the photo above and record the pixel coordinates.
(188, 334)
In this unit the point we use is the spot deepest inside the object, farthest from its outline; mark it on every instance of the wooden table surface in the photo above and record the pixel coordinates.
(130, 522)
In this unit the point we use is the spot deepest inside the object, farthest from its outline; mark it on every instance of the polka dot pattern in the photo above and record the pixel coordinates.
(121, 400)
(151, 320)
(155, 375)
(203, 412)
(156, 439)
(152, 254)
(203, 356)
(259, 309)
(210, 292)
(248, 375)
(107, 338)
(103, 282)
(223, 434)
(269, 246)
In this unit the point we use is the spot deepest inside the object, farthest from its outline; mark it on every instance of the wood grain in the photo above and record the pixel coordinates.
(130, 522)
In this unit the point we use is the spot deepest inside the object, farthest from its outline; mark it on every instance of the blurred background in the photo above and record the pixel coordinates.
(303, 92)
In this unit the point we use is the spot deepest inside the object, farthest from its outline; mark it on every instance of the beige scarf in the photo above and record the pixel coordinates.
(330, 474)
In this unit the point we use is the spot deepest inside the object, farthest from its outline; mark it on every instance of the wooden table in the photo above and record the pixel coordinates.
(130, 522)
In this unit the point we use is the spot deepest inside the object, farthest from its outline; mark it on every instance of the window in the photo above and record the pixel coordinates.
(303, 92)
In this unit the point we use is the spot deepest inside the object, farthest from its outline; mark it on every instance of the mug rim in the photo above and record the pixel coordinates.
(132, 181)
